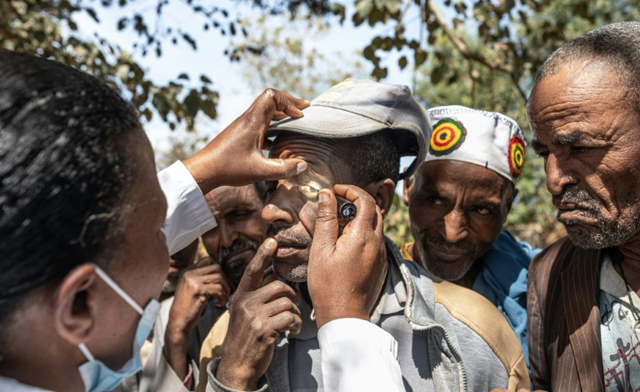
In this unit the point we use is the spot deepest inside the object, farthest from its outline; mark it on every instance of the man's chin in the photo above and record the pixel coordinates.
(591, 237)
(290, 271)
(450, 269)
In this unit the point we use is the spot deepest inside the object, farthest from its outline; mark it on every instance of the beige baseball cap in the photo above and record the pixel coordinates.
(357, 107)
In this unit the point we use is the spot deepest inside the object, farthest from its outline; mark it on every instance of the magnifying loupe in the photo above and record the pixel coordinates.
(310, 189)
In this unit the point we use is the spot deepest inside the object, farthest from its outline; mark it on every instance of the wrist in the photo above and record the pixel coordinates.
(176, 335)
(231, 377)
(324, 316)
(203, 171)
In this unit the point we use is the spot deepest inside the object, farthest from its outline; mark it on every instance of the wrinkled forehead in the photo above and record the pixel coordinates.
(324, 156)
(304, 144)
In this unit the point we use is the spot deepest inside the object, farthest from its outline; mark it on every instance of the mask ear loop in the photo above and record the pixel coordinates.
(107, 279)
(86, 352)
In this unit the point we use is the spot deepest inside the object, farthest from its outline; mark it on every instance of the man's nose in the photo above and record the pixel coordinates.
(455, 226)
(558, 175)
(277, 209)
(227, 235)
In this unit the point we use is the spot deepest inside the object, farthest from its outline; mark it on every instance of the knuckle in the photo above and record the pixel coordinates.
(279, 286)
(257, 324)
(325, 215)
(269, 92)
(291, 318)
(291, 307)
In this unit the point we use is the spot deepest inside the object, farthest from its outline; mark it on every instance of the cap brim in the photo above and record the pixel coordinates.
(328, 122)
(321, 121)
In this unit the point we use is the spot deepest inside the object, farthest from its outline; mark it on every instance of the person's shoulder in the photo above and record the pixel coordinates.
(553, 258)
(483, 318)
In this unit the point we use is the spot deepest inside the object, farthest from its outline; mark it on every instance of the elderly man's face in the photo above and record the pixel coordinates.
(292, 215)
(240, 230)
(457, 210)
(589, 137)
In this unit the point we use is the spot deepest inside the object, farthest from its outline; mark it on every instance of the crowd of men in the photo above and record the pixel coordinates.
(269, 288)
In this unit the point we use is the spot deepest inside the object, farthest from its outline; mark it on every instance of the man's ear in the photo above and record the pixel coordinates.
(509, 203)
(383, 192)
(74, 305)
(406, 188)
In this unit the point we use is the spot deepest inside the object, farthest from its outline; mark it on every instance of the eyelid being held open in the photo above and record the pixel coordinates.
(310, 190)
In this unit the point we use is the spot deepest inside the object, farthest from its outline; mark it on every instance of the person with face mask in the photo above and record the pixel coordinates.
(87, 227)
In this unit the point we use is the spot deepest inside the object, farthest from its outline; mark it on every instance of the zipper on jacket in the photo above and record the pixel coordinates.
(409, 282)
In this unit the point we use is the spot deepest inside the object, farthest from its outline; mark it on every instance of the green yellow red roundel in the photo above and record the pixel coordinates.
(448, 134)
(516, 156)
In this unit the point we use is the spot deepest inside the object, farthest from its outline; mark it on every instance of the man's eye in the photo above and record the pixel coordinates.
(435, 200)
(580, 150)
(542, 154)
(483, 210)
(308, 191)
(240, 214)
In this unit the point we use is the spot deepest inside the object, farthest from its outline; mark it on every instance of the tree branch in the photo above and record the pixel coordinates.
(467, 53)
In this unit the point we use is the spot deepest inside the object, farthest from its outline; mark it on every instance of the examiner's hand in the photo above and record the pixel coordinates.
(235, 157)
(197, 284)
(346, 273)
(258, 315)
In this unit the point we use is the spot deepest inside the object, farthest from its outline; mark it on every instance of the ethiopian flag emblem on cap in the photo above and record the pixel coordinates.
(448, 134)
(516, 156)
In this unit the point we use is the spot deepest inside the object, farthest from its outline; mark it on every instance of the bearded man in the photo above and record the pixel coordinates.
(186, 318)
(583, 291)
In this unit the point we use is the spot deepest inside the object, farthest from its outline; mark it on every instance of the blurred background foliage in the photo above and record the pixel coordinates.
(478, 53)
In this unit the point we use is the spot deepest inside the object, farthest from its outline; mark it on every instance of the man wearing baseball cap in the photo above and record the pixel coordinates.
(458, 201)
(444, 336)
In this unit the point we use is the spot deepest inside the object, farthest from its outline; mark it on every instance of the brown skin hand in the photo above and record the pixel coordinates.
(457, 210)
(84, 309)
(197, 284)
(259, 313)
(589, 137)
(177, 264)
(235, 157)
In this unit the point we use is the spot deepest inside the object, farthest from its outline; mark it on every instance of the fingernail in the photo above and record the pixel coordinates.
(270, 243)
(300, 167)
(323, 197)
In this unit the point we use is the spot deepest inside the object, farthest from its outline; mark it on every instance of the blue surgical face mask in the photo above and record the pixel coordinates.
(99, 377)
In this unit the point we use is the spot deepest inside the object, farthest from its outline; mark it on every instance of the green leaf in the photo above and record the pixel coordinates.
(209, 108)
(436, 75)
(420, 56)
(183, 76)
(93, 14)
(122, 23)
(162, 105)
(192, 103)
(402, 62)
(205, 79)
